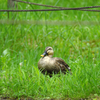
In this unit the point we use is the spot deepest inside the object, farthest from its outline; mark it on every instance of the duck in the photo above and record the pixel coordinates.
(49, 64)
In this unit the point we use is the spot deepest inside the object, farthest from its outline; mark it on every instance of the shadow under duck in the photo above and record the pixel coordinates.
(48, 64)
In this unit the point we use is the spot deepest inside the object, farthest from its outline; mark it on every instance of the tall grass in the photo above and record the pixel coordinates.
(22, 45)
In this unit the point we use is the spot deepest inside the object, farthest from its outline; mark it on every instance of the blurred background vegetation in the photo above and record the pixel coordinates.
(21, 45)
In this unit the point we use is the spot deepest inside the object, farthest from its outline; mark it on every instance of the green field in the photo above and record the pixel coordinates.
(21, 45)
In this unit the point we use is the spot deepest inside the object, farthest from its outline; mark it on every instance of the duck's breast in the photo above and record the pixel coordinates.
(44, 63)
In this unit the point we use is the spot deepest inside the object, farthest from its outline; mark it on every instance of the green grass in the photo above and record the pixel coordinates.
(22, 44)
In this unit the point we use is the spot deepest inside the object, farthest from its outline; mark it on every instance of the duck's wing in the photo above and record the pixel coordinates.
(62, 65)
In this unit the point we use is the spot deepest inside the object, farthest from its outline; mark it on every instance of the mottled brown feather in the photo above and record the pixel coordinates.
(63, 66)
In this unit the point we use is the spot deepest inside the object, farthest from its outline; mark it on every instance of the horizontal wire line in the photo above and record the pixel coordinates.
(47, 10)
(59, 8)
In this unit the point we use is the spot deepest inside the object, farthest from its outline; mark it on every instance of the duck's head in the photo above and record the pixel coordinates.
(48, 52)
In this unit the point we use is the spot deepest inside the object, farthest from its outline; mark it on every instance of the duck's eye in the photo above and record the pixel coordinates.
(49, 49)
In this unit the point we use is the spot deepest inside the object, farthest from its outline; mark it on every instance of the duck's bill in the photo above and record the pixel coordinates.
(44, 54)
